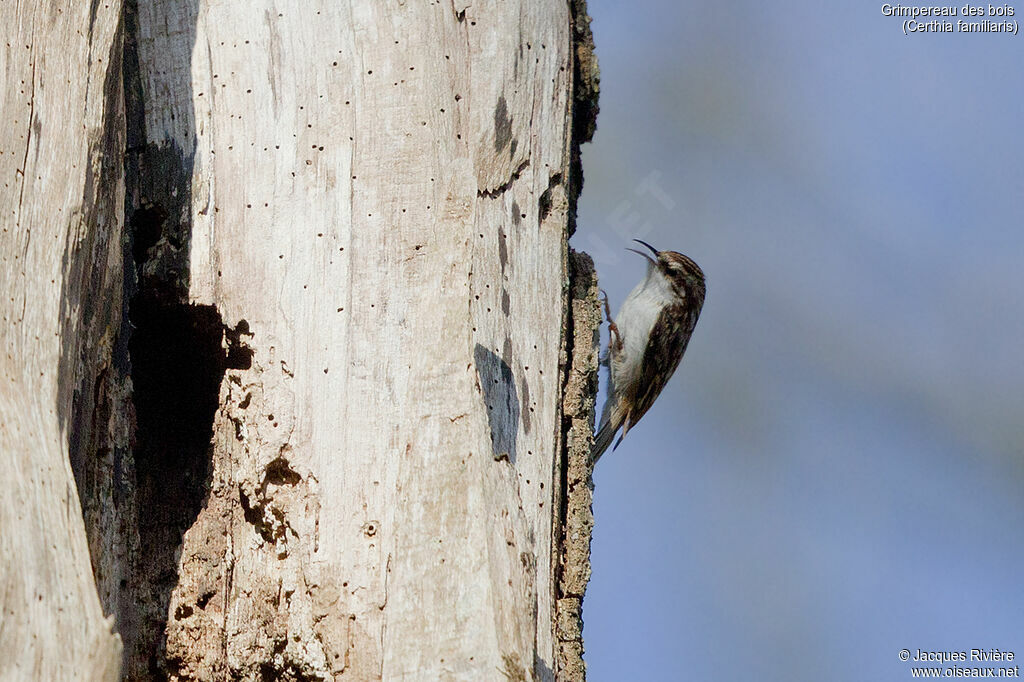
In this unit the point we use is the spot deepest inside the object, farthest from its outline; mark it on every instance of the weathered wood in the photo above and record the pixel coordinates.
(302, 348)
(372, 198)
(61, 276)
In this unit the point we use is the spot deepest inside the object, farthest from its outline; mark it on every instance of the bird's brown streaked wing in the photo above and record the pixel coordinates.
(664, 350)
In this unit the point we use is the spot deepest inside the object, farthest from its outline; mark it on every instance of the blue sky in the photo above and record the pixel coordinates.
(835, 472)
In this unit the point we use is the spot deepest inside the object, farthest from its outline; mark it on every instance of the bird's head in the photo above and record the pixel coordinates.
(685, 276)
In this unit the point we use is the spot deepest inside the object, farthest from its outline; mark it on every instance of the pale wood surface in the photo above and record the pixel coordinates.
(366, 195)
(60, 207)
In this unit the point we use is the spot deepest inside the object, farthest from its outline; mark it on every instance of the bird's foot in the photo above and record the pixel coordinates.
(616, 340)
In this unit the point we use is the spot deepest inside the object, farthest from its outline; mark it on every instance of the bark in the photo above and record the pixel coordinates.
(577, 518)
(308, 340)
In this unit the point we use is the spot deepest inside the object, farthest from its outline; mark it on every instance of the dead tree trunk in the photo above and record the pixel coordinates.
(314, 347)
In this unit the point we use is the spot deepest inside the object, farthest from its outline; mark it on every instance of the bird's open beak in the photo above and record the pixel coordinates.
(653, 250)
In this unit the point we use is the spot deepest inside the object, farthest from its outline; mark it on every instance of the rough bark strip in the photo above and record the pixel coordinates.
(577, 486)
(585, 94)
(582, 326)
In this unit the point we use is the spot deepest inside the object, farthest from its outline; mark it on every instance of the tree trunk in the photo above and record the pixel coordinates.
(316, 350)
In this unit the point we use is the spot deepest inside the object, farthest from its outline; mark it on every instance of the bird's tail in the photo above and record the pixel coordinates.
(602, 440)
(610, 422)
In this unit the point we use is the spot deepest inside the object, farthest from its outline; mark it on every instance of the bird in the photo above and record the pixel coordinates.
(647, 340)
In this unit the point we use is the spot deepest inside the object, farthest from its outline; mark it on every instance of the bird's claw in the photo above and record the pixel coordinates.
(616, 340)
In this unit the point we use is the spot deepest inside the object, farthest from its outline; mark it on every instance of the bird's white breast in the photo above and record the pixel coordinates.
(635, 320)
